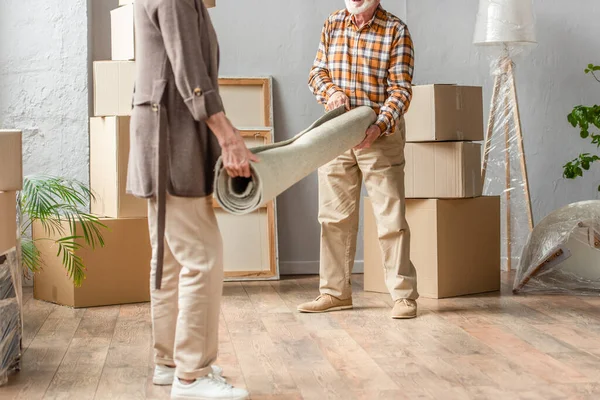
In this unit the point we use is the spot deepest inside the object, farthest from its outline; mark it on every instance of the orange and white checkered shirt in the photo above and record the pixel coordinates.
(373, 65)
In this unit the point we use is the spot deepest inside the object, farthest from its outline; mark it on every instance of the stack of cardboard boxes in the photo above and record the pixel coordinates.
(455, 232)
(11, 180)
(120, 271)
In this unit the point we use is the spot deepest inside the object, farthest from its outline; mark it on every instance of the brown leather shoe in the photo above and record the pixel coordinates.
(325, 303)
(404, 309)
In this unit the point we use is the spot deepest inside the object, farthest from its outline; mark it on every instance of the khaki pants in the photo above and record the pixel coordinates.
(382, 167)
(185, 311)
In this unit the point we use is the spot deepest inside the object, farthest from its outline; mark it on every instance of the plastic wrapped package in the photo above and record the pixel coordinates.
(10, 338)
(7, 286)
(506, 29)
(504, 21)
(562, 254)
(506, 169)
(11, 327)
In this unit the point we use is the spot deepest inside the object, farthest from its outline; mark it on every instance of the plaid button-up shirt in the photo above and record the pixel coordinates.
(373, 65)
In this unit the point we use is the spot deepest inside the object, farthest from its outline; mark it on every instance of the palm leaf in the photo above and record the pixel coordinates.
(37, 204)
(54, 201)
(52, 226)
(73, 263)
(93, 225)
(31, 255)
(90, 225)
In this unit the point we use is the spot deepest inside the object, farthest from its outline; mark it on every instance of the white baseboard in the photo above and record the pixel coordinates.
(310, 267)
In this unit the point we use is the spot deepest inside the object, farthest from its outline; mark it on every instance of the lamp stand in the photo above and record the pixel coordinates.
(505, 81)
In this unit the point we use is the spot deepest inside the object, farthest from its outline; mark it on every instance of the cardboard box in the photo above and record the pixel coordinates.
(122, 33)
(445, 113)
(109, 156)
(11, 160)
(118, 273)
(455, 247)
(113, 87)
(443, 170)
(8, 221)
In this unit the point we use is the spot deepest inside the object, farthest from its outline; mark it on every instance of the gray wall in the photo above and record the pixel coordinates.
(44, 82)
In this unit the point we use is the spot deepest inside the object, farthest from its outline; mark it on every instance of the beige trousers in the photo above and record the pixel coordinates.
(382, 167)
(185, 311)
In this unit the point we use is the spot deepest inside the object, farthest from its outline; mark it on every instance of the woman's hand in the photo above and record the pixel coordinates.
(236, 156)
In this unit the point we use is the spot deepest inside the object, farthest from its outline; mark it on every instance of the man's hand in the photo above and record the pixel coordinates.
(237, 157)
(338, 99)
(372, 135)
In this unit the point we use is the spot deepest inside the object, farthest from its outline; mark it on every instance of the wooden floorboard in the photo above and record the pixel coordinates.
(489, 346)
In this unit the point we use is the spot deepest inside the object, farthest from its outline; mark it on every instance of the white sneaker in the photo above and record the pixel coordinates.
(163, 375)
(207, 388)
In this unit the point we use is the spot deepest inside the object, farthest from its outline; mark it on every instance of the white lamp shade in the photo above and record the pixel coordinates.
(504, 22)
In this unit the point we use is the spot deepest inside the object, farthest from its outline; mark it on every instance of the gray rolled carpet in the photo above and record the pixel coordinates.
(285, 163)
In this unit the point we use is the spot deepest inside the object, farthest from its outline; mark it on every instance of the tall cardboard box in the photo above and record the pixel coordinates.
(122, 33)
(445, 113)
(11, 160)
(109, 156)
(455, 247)
(443, 170)
(8, 221)
(113, 87)
(117, 273)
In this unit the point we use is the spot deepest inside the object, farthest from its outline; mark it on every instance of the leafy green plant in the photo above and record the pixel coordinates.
(56, 203)
(585, 119)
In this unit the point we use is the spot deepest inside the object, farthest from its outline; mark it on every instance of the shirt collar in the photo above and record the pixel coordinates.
(378, 15)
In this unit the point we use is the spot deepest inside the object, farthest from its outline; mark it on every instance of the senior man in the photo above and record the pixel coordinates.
(365, 58)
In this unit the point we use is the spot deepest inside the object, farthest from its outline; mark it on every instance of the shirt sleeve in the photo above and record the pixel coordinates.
(399, 83)
(319, 80)
(179, 21)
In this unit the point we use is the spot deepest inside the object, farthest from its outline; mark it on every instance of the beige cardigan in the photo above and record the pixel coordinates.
(176, 90)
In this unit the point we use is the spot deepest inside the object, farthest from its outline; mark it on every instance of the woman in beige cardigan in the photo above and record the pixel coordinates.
(178, 130)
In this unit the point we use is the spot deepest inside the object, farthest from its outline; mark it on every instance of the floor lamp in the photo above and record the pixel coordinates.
(506, 26)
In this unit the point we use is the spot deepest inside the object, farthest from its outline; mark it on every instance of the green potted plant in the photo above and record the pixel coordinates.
(585, 119)
(55, 202)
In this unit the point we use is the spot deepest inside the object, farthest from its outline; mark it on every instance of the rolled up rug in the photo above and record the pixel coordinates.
(285, 163)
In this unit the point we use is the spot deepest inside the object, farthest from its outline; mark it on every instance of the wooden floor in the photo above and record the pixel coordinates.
(481, 347)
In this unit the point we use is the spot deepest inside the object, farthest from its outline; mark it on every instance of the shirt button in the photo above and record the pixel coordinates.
(154, 107)
(197, 92)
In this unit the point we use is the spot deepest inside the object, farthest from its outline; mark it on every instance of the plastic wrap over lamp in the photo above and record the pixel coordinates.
(504, 22)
